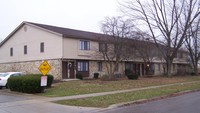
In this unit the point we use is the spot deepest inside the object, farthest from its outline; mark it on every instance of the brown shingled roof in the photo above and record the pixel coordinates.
(71, 33)
(67, 33)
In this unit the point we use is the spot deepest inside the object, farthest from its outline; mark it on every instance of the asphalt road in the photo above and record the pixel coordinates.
(187, 103)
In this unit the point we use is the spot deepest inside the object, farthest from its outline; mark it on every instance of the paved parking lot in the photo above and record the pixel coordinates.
(12, 102)
(8, 97)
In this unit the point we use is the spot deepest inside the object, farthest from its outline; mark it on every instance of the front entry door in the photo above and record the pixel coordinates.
(67, 70)
(71, 70)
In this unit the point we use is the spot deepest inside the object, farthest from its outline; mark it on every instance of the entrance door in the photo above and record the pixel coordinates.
(71, 70)
(67, 70)
(138, 69)
(143, 70)
(64, 70)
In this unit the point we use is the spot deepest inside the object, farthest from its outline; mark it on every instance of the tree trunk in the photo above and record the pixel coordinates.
(169, 65)
(196, 68)
(111, 75)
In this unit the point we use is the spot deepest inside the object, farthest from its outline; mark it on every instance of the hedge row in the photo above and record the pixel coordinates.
(28, 83)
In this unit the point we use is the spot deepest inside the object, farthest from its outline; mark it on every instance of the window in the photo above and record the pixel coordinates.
(11, 51)
(128, 66)
(25, 49)
(42, 47)
(84, 45)
(99, 66)
(158, 67)
(83, 66)
(151, 67)
(102, 47)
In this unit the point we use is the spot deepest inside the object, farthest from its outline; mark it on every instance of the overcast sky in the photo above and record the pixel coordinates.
(75, 14)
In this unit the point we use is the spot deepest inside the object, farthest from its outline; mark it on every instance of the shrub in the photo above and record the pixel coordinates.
(96, 75)
(192, 73)
(50, 78)
(79, 76)
(132, 76)
(128, 71)
(28, 83)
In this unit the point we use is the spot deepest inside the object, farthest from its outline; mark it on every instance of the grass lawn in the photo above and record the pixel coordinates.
(93, 86)
(106, 101)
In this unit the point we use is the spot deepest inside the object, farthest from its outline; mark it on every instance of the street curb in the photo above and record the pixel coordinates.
(141, 101)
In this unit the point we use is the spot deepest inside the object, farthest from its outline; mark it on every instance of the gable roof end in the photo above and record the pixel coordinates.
(64, 32)
(12, 33)
(71, 33)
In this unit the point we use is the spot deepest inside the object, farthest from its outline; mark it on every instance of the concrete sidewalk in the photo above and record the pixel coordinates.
(35, 104)
(112, 92)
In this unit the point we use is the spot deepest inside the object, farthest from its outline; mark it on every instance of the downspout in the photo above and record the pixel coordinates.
(62, 57)
(62, 48)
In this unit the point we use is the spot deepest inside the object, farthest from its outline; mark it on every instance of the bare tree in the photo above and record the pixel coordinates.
(145, 49)
(166, 20)
(193, 44)
(114, 46)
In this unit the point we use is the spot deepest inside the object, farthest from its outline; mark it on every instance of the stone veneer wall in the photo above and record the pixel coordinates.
(161, 71)
(156, 69)
(31, 67)
(93, 67)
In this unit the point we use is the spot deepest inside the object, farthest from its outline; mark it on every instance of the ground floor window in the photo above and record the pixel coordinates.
(99, 66)
(129, 66)
(158, 67)
(82, 65)
(150, 69)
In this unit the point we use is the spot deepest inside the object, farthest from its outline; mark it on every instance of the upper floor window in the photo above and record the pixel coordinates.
(84, 45)
(42, 47)
(25, 49)
(11, 51)
(103, 47)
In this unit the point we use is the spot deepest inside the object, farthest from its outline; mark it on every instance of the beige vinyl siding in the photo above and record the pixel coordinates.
(32, 37)
(71, 49)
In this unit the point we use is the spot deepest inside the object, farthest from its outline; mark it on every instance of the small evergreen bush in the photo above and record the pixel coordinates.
(79, 76)
(28, 83)
(128, 71)
(96, 75)
(131, 75)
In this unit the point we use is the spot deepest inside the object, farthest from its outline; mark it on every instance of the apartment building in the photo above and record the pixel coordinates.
(68, 52)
